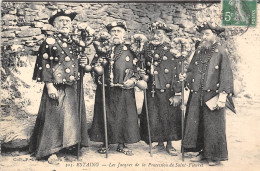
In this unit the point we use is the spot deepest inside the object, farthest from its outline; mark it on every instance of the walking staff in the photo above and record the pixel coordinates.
(148, 124)
(105, 113)
(182, 106)
(145, 77)
(79, 101)
(84, 33)
(79, 107)
(137, 46)
(99, 69)
(185, 49)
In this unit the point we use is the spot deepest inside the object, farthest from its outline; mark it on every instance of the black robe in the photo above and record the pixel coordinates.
(57, 125)
(209, 74)
(122, 117)
(165, 119)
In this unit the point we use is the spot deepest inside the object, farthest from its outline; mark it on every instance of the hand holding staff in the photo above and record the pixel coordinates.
(181, 48)
(86, 36)
(140, 39)
(137, 46)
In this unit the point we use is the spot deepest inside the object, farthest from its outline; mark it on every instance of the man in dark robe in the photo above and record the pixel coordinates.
(122, 117)
(57, 125)
(209, 74)
(164, 90)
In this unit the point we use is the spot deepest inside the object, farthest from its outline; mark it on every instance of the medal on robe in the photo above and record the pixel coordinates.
(124, 48)
(45, 55)
(64, 45)
(50, 40)
(127, 59)
(67, 58)
(67, 70)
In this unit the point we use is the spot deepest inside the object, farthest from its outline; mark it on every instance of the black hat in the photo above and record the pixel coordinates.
(121, 24)
(212, 26)
(159, 25)
(61, 12)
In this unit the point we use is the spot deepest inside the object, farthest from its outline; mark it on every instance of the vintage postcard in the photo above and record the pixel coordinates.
(130, 85)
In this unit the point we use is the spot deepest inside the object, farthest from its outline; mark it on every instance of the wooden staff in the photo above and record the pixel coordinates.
(80, 95)
(147, 118)
(87, 42)
(182, 110)
(104, 112)
(182, 105)
(80, 98)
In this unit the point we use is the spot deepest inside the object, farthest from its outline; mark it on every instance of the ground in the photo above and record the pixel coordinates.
(243, 145)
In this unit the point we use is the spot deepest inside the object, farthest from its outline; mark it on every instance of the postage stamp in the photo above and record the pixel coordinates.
(239, 12)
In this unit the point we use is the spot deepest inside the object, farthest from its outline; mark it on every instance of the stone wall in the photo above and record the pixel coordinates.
(27, 23)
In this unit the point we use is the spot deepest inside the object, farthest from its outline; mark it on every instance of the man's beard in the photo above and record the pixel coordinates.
(64, 31)
(156, 42)
(116, 40)
(206, 44)
(159, 42)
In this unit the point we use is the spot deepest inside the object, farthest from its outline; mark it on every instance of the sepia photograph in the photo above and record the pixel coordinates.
(130, 85)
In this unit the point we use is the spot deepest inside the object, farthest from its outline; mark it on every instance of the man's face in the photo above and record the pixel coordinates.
(63, 24)
(207, 38)
(158, 37)
(117, 35)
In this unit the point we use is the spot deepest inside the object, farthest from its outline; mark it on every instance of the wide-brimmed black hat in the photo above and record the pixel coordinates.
(121, 24)
(61, 12)
(210, 25)
(159, 25)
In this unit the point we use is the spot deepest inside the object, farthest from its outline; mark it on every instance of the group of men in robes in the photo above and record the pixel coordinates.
(59, 127)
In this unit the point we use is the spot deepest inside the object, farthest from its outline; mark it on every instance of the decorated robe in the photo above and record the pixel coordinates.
(209, 74)
(163, 69)
(122, 117)
(57, 125)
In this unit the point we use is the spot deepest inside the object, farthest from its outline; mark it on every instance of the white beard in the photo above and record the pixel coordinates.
(159, 42)
(116, 40)
(156, 42)
(64, 31)
(206, 44)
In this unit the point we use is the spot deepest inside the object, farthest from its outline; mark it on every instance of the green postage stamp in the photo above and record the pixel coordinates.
(239, 12)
